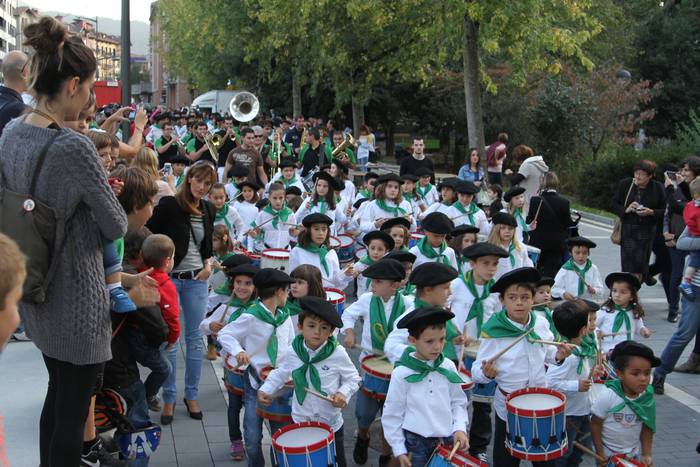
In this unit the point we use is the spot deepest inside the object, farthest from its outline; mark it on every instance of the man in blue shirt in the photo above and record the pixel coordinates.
(16, 72)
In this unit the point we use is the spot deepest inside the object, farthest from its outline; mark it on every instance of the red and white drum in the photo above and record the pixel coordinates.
(415, 238)
(620, 460)
(336, 297)
(275, 258)
(334, 242)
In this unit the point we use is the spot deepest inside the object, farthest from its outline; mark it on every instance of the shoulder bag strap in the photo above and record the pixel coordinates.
(624, 205)
(40, 163)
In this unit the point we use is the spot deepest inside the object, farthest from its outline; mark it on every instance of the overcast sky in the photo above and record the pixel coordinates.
(140, 9)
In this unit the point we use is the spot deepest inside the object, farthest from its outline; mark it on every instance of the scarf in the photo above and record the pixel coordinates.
(379, 327)
(395, 211)
(292, 308)
(222, 215)
(470, 211)
(369, 262)
(643, 406)
(423, 368)
(451, 332)
(299, 375)
(477, 308)
(283, 214)
(581, 273)
(257, 310)
(511, 249)
(322, 205)
(518, 214)
(242, 306)
(424, 190)
(499, 326)
(548, 315)
(430, 253)
(410, 197)
(322, 252)
(365, 193)
(290, 182)
(179, 180)
(584, 351)
(620, 318)
(409, 289)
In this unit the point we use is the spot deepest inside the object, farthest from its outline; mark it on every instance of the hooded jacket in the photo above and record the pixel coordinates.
(532, 169)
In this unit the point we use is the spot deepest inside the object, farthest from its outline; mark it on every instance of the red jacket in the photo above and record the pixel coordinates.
(168, 304)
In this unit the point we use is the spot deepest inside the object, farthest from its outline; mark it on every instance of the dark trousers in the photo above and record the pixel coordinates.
(549, 262)
(340, 447)
(480, 430)
(150, 357)
(501, 457)
(235, 405)
(495, 178)
(578, 428)
(65, 409)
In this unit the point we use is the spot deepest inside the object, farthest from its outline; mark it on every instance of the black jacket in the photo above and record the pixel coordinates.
(11, 106)
(121, 371)
(171, 220)
(653, 197)
(553, 221)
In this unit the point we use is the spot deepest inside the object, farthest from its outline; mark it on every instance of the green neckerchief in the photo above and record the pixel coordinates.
(500, 326)
(581, 273)
(369, 262)
(299, 375)
(511, 249)
(179, 180)
(288, 183)
(423, 190)
(477, 308)
(548, 316)
(410, 197)
(292, 308)
(365, 193)
(584, 351)
(241, 307)
(590, 341)
(322, 204)
(469, 211)
(423, 369)
(379, 326)
(257, 310)
(420, 303)
(409, 289)
(322, 252)
(429, 252)
(395, 211)
(451, 332)
(222, 215)
(223, 289)
(620, 318)
(518, 214)
(643, 406)
(283, 214)
(404, 249)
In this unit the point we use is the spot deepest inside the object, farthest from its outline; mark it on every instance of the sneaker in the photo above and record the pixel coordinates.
(483, 457)
(20, 337)
(658, 384)
(384, 460)
(99, 455)
(154, 404)
(120, 301)
(359, 454)
(687, 290)
(237, 451)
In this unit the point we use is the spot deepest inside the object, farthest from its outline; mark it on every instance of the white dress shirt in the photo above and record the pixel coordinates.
(237, 225)
(460, 302)
(337, 215)
(335, 277)
(522, 260)
(431, 408)
(217, 314)
(338, 374)
(432, 196)
(373, 212)
(567, 281)
(349, 192)
(604, 320)
(275, 237)
(436, 207)
(480, 219)
(420, 258)
(564, 378)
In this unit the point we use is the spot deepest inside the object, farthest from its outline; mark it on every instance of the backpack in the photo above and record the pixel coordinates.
(32, 224)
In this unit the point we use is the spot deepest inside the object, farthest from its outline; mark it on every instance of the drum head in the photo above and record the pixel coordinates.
(535, 401)
(417, 236)
(377, 365)
(334, 242)
(334, 296)
(345, 240)
(302, 436)
(276, 254)
(360, 253)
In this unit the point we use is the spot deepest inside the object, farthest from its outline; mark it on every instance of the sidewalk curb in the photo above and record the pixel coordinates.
(589, 216)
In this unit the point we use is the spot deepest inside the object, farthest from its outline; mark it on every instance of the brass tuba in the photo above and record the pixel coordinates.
(214, 142)
(244, 106)
(339, 152)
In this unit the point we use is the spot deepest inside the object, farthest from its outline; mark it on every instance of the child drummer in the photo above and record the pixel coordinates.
(379, 310)
(433, 247)
(521, 365)
(425, 405)
(316, 362)
(578, 277)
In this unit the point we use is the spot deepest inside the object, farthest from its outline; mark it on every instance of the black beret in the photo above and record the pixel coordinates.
(631, 279)
(293, 190)
(478, 250)
(513, 192)
(321, 308)
(409, 178)
(235, 260)
(268, 278)
(464, 229)
(250, 184)
(503, 218)
(385, 269)
(243, 270)
(592, 306)
(323, 175)
(338, 184)
(437, 223)
(544, 280)
(379, 235)
(238, 170)
(390, 177)
(466, 188)
(423, 172)
(580, 241)
(425, 316)
(635, 349)
(341, 165)
(287, 162)
(180, 159)
(316, 218)
(448, 183)
(402, 256)
(431, 274)
(370, 175)
(388, 224)
(516, 276)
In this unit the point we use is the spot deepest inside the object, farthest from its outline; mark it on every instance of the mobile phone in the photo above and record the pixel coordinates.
(671, 174)
(167, 169)
(132, 115)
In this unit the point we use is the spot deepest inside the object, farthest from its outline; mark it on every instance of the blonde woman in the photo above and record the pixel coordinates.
(503, 235)
(147, 160)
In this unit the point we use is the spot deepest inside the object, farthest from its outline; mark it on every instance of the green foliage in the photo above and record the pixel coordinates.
(688, 134)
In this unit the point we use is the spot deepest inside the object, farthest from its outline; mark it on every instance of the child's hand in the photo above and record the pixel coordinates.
(404, 461)
(467, 341)
(532, 226)
(264, 398)
(463, 440)
(350, 271)
(459, 340)
(215, 327)
(563, 351)
(598, 371)
(254, 232)
(293, 231)
(378, 223)
(584, 385)
(645, 332)
(590, 289)
(339, 401)
(349, 339)
(242, 359)
(489, 369)
(568, 296)
(646, 460)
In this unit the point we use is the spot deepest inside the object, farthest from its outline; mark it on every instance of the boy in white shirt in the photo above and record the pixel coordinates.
(425, 190)
(433, 247)
(578, 277)
(316, 362)
(624, 415)
(465, 210)
(425, 405)
(275, 220)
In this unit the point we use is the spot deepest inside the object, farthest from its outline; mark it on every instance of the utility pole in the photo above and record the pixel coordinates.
(126, 60)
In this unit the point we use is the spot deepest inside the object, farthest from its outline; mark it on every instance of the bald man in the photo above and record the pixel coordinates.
(15, 72)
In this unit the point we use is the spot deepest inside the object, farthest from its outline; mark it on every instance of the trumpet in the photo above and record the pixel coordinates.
(214, 142)
(339, 152)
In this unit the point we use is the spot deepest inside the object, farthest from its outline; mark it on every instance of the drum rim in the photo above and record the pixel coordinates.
(252, 255)
(263, 255)
(372, 372)
(535, 412)
(619, 456)
(352, 240)
(467, 385)
(274, 416)
(540, 457)
(445, 452)
(236, 371)
(330, 237)
(416, 235)
(333, 289)
(303, 449)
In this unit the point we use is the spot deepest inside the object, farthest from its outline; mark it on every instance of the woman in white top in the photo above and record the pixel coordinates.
(503, 235)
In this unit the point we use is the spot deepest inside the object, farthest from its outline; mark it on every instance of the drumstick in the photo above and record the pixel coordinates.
(585, 450)
(228, 304)
(319, 395)
(542, 341)
(510, 346)
(258, 226)
(537, 213)
(541, 304)
(365, 349)
(461, 352)
(452, 452)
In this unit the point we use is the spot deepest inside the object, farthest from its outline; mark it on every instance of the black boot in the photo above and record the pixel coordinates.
(359, 454)
(658, 384)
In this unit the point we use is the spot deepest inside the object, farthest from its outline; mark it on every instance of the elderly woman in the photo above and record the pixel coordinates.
(640, 203)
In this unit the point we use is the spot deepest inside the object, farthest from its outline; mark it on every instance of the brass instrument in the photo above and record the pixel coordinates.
(214, 142)
(339, 152)
(244, 106)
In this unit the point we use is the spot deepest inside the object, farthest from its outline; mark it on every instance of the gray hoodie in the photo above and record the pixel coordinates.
(532, 168)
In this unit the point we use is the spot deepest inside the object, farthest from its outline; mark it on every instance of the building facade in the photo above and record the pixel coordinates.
(24, 16)
(8, 27)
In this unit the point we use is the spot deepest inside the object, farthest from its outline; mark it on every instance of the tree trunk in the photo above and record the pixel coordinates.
(472, 87)
(390, 128)
(296, 92)
(358, 116)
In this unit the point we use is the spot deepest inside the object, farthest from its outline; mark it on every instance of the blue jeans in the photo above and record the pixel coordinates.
(235, 404)
(150, 357)
(193, 305)
(137, 412)
(694, 259)
(578, 428)
(420, 448)
(252, 427)
(110, 259)
(688, 327)
(366, 409)
(677, 269)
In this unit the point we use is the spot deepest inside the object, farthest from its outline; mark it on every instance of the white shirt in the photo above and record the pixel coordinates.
(236, 223)
(522, 260)
(604, 321)
(275, 237)
(480, 219)
(216, 316)
(360, 310)
(335, 277)
(248, 213)
(564, 378)
(397, 340)
(297, 183)
(621, 430)
(250, 335)
(432, 196)
(363, 283)
(337, 215)
(338, 374)
(432, 408)
(373, 212)
(522, 366)
(567, 281)
(435, 207)
(460, 302)
(349, 192)
(420, 258)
